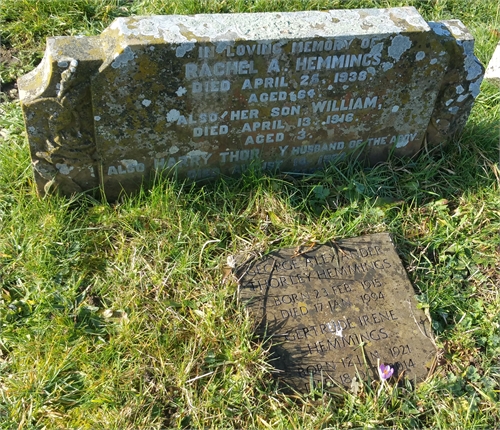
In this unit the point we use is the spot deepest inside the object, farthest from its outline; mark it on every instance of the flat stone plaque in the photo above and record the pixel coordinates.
(208, 95)
(336, 311)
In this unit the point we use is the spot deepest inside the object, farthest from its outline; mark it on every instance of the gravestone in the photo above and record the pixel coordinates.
(337, 311)
(204, 95)
(493, 71)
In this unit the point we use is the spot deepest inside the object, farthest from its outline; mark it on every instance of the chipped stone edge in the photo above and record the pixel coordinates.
(460, 85)
(53, 90)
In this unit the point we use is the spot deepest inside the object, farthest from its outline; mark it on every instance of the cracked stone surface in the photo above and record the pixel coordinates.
(208, 95)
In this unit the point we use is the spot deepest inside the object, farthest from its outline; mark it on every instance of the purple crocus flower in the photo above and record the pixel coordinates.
(385, 372)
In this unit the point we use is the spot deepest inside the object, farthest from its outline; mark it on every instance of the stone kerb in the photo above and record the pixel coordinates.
(205, 95)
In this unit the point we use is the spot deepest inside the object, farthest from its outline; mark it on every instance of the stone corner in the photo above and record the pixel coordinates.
(56, 102)
(460, 85)
(492, 74)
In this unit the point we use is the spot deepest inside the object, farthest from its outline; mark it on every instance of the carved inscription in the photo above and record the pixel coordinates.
(305, 102)
(207, 95)
(336, 311)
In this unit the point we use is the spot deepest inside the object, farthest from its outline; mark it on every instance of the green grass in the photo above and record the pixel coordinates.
(120, 316)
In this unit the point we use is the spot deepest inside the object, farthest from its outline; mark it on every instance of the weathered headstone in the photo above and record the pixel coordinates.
(204, 95)
(334, 312)
(493, 70)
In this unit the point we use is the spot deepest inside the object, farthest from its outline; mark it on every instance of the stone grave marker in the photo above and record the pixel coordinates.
(493, 71)
(204, 95)
(336, 311)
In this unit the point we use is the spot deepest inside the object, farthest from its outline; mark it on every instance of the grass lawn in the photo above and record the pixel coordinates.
(119, 316)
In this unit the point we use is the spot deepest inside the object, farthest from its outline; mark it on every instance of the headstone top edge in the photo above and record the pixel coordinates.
(270, 25)
(406, 10)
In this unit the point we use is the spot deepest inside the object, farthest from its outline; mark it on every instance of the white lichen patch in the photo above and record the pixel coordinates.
(472, 66)
(173, 150)
(461, 98)
(63, 64)
(64, 168)
(148, 27)
(474, 87)
(146, 102)
(449, 102)
(459, 89)
(401, 142)
(439, 28)
(181, 91)
(433, 61)
(181, 50)
(158, 27)
(122, 59)
(399, 45)
(394, 109)
(394, 21)
(420, 56)
(386, 66)
(414, 20)
(455, 30)
(270, 26)
(173, 115)
(223, 45)
(377, 49)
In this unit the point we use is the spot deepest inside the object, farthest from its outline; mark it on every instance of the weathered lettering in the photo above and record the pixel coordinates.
(327, 303)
